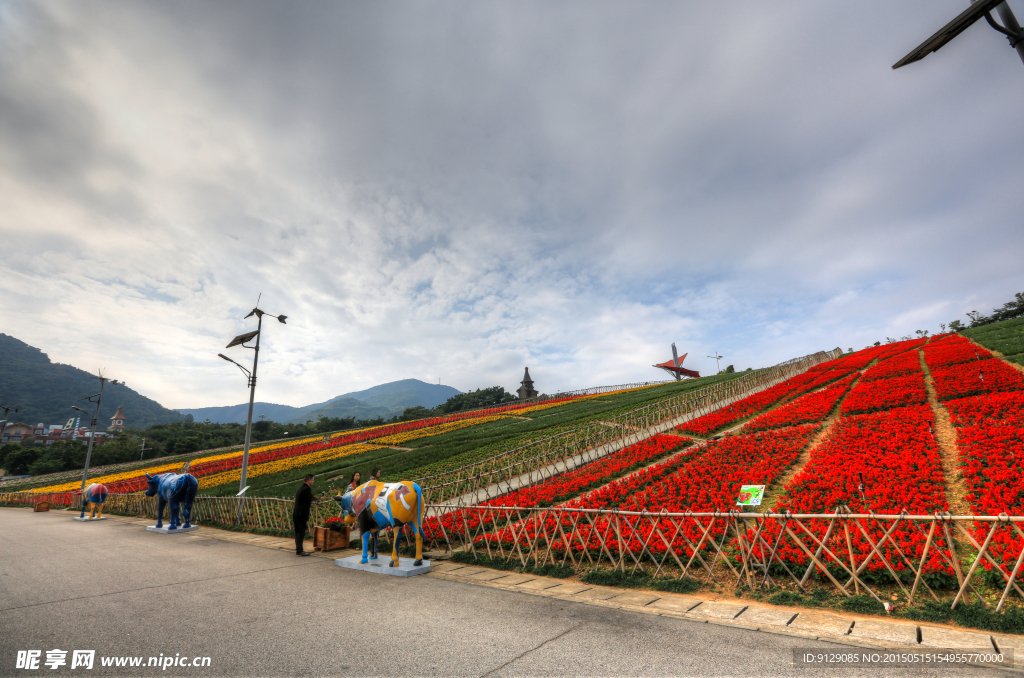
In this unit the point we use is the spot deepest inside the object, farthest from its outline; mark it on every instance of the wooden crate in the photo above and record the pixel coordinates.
(41, 506)
(325, 539)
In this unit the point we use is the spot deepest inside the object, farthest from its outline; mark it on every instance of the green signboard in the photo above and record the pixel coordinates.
(750, 495)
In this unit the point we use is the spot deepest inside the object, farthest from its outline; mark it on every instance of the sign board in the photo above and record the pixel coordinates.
(750, 495)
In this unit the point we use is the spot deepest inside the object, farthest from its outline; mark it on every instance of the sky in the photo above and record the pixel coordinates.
(453, 191)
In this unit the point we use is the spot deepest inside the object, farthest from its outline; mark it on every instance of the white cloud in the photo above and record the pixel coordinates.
(457, 190)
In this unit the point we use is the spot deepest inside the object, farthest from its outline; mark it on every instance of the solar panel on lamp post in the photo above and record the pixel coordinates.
(979, 9)
(241, 340)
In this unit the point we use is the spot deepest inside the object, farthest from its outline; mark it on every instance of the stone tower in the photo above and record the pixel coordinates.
(117, 421)
(526, 389)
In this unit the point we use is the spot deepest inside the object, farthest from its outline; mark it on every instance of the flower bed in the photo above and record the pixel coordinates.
(990, 436)
(708, 480)
(979, 376)
(719, 419)
(896, 454)
(712, 481)
(885, 394)
(952, 350)
(805, 409)
(901, 365)
(566, 485)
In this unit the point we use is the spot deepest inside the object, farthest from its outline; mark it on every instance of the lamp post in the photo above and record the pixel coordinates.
(241, 340)
(3, 428)
(95, 421)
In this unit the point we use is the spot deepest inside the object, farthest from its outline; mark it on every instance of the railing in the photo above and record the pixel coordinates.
(257, 512)
(484, 479)
(920, 555)
(854, 553)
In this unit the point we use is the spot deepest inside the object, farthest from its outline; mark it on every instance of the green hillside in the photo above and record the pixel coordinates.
(1006, 337)
(45, 391)
(427, 455)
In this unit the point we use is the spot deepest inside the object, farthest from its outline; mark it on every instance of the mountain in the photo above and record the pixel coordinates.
(405, 393)
(45, 391)
(383, 400)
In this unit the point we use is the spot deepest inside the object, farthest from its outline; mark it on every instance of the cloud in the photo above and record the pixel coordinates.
(455, 190)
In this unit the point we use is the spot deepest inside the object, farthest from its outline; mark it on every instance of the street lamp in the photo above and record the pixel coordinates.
(95, 420)
(241, 340)
(3, 428)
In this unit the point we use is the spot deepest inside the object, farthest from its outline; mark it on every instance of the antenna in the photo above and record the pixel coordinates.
(717, 358)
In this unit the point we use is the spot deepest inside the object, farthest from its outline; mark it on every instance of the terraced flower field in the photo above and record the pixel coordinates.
(881, 455)
(398, 448)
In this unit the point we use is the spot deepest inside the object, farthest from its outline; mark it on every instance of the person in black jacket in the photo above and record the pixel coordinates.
(303, 500)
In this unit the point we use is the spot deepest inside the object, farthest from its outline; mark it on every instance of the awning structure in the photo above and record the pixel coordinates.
(680, 371)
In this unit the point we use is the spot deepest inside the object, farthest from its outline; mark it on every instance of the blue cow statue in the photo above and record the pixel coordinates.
(176, 490)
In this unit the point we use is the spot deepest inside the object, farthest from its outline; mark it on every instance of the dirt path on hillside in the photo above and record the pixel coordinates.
(774, 493)
(945, 436)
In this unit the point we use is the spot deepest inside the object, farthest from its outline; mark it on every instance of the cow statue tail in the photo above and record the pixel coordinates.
(191, 488)
(418, 527)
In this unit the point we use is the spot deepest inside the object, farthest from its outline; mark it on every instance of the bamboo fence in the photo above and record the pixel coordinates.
(256, 512)
(748, 547)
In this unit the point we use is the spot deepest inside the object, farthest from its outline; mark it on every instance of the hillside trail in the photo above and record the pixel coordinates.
(949, 455)
(774, 493)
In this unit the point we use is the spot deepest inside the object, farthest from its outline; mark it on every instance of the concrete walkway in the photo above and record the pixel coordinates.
(854, 630)
(256, 610)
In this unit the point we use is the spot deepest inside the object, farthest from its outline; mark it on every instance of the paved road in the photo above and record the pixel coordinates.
(114, 588)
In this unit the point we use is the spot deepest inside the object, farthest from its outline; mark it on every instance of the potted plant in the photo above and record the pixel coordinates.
(332, 535)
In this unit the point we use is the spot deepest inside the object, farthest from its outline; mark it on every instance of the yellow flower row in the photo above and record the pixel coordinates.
(67, 487)
(114, 477)
(304, 460)
(339, 452)
(286, 464)
(394, 439)
(545, 406)
(438, 429)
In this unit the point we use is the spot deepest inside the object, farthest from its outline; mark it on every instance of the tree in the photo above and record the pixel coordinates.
(18, 461)
(413, 413)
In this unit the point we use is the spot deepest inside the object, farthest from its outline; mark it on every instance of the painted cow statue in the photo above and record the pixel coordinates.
(94, 496)
(176, 490)
(375, 505)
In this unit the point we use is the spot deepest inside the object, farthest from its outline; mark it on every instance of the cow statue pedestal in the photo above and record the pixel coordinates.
(163, 529)
(88, 520)
(405, 568)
